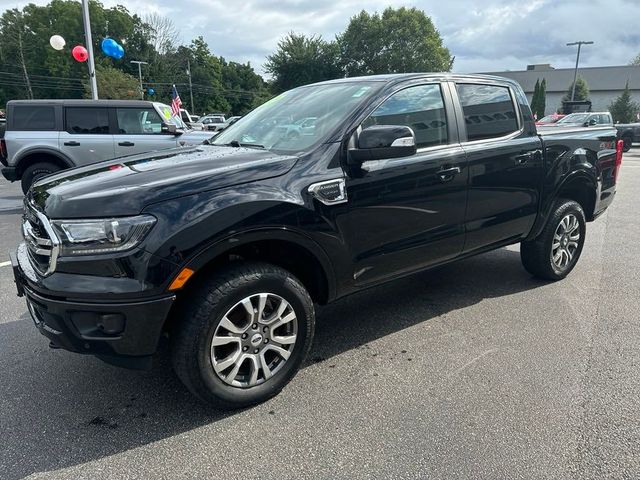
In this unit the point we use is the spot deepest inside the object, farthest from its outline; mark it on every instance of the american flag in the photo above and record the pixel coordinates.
(176, 103)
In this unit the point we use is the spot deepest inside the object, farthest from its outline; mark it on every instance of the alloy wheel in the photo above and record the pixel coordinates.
(254, 340)
(566, 240)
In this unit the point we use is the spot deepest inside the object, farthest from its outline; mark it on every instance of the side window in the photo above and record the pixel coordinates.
(86, 120)
(32, 118)
(488, 111)
(138, 121)
(421, 108)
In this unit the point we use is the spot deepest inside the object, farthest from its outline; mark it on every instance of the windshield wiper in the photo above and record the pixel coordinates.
(237, 144)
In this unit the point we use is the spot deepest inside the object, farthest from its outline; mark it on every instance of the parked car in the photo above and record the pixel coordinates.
(230, 121)
(213, 123)
(628, 133)
(192, 121)
(550, 119)
(44, 136)
(225, 248)
(586, 119)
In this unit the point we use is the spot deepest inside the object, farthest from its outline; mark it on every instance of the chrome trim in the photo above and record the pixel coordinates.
(342, 198)
(34, 242)
(404, 142)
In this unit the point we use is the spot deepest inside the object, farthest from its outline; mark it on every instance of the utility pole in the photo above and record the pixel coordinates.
(89, 40)
(140, 75)
(193, 109)
(575, 73)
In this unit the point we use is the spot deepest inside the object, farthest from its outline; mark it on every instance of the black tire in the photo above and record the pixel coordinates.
(537, 256)
(35, 172)
(202, 313)
(628, 143)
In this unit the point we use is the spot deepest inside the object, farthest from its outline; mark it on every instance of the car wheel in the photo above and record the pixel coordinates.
(628, 143)
(557, 249)
(35, 172)
(242, 335)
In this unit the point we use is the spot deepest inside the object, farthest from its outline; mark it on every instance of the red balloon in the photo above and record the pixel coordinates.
(80, 53)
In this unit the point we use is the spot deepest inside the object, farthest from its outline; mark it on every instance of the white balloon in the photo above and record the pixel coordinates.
(57, 42)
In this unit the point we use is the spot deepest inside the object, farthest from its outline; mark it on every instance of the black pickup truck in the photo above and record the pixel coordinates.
(225, 248)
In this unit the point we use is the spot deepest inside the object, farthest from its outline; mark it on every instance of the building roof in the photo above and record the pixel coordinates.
(559, 80)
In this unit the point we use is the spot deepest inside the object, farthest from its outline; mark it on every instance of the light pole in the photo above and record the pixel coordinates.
(87, 33)
(140, 75)
(575, 73)
(193, 109)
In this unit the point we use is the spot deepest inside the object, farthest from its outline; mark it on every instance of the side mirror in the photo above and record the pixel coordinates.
(591, 123)
(380, 142)
(171, 129)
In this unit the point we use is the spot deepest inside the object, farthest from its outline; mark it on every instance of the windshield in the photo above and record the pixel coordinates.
(300, 118)
(575, 118)
(167, 116)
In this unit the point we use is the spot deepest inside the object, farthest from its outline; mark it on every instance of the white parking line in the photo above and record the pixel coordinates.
(5, 264)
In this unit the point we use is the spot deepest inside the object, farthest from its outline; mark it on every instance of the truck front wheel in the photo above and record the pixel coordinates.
(242, 334)
(557, 249)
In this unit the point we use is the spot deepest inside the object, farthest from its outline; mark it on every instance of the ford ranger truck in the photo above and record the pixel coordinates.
(225, 248)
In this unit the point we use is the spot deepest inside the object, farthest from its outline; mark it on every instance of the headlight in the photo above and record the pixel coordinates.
(89, 237)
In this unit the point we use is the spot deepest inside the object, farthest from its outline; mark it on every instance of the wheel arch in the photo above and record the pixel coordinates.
(34, 155)
(286, 248)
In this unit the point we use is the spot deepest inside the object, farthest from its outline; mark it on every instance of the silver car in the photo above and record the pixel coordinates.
(44, 136)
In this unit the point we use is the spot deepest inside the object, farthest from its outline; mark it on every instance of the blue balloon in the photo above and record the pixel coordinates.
(109, 47)
(119, 52)
(150, 91)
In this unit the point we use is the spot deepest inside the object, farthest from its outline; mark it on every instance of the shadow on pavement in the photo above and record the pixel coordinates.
(59, 409)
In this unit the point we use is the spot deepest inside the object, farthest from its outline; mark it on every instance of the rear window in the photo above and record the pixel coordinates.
(85, 120)
(33, 117)
(489, 111)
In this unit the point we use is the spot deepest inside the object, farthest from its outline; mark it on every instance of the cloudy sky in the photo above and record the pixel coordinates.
(484, 35)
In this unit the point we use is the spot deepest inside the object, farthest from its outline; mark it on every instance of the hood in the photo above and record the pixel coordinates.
(124, 186)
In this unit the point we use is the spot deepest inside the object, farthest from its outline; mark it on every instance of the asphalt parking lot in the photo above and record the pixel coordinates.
(474, 370)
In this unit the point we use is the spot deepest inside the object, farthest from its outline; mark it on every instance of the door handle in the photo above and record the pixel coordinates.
(447, 174)
(126, 144)
(524, 158)
(71, 144)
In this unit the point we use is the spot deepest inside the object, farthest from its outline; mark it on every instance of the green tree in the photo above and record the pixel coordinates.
(582, 91)
(624, 109)
(535, 99)
(398, 41)
(300, 60)
(115, 84)
(542, 102)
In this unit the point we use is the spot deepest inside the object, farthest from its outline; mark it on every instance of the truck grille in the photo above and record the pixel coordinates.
(42, 242)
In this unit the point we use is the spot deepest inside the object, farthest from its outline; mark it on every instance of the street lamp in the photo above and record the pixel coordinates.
(140, 75)
(575, 73)
(87, 34)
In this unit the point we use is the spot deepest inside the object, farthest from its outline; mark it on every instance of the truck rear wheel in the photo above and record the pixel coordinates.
(628, 143)
(35, 172)
(242, 335)
(557, 249)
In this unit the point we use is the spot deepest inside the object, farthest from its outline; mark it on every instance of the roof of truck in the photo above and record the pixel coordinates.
(399, 77)
(85, 103)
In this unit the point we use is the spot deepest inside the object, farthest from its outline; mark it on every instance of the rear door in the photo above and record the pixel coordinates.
(86, 137)
(139, 130)
(505, 164)
(408, 213)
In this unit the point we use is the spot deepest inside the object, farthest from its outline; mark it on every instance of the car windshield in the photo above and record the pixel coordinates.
(575, 118)
(277, 124)
(549, 119)
(168, 117)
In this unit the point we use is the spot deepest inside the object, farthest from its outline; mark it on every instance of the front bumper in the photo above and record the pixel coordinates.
(122, 333)
(10, 173)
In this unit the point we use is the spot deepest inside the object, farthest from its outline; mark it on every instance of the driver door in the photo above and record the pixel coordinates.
(408, 213)
(139, 130)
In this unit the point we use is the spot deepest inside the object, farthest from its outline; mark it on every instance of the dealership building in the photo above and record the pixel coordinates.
(605, 83)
